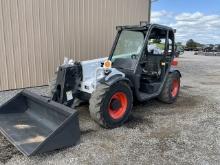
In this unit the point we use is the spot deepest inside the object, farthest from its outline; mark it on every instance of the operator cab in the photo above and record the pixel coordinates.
(144, 54)
(157, 56)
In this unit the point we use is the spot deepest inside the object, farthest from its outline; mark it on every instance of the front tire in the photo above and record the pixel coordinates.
(171, 88)
(110, 106)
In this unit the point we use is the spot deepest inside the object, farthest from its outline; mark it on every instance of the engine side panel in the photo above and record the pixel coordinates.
(89, 68)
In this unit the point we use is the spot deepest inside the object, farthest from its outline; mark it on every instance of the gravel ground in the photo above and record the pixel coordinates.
(187, 132)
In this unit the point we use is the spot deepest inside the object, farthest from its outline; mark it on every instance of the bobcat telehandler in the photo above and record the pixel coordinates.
(139, 67)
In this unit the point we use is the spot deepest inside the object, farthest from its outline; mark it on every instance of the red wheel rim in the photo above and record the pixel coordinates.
(175, 88)
(119, 112)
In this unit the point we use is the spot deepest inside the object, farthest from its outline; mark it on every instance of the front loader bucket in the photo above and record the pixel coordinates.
(34, 124)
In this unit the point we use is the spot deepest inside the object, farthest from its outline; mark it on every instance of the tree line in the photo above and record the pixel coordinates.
(193, 45)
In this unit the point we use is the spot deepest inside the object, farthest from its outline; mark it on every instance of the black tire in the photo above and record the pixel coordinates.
(166, 95)
(100, 101)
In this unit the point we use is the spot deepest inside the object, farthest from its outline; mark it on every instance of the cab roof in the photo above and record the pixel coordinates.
(144, 26)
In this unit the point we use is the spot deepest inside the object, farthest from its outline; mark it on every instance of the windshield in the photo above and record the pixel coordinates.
(129, 45)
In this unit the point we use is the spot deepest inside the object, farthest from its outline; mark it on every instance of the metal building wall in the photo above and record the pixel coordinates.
(35, 35)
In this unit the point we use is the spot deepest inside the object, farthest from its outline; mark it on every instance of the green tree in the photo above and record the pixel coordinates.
(191, 44)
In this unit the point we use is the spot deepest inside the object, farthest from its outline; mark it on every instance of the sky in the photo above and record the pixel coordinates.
(194, 19)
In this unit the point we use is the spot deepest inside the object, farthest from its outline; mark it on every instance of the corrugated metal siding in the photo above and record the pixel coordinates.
(35, 35)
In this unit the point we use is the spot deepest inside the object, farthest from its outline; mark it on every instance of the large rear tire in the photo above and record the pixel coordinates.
(171, 88)
(110, 106)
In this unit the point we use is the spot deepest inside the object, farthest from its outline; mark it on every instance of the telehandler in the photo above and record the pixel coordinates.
(139, 67)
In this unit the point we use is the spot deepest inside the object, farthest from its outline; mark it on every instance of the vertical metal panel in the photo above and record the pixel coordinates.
(35, 35)
(23, 43)
(9, 52)
(3, 58)
(49, 36)
(31, 42)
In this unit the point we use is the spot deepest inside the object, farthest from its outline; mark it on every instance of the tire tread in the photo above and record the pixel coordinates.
(165, 94)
